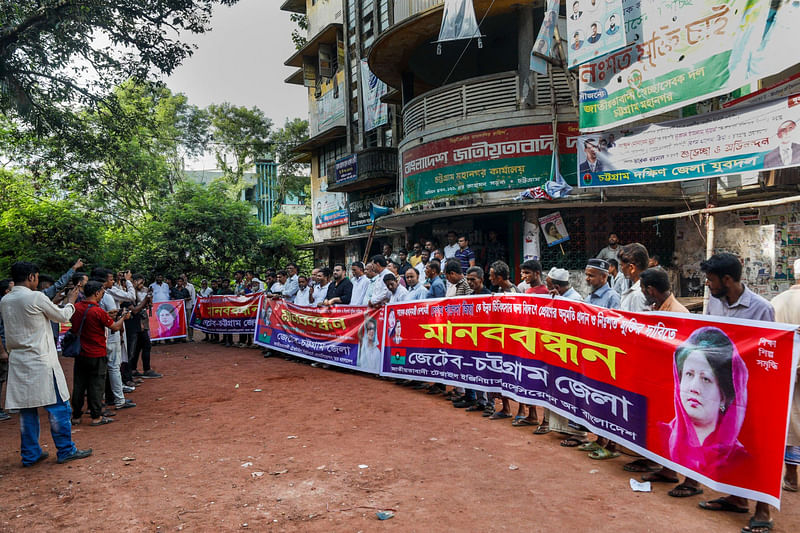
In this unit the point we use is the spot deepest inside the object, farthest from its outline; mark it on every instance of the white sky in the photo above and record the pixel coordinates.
(241, 61)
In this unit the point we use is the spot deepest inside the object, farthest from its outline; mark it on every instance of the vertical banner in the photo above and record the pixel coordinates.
(376, 113)
(168, 320)
(343, 336)
(595, 28)
(706, 396)
(545, 39)
(226, 314)
(530, 244)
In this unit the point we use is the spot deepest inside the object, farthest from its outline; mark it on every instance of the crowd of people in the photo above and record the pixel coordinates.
(109, 313)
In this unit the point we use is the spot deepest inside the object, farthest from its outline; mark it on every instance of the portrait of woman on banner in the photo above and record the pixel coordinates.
(369, 350)
(169, 322)
(710, 399)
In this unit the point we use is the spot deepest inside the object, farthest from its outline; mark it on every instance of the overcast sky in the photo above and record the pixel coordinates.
(241, 61)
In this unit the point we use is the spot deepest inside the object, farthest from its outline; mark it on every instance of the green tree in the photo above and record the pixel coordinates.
(292, 176)
(55, 54)
(299, 34)
(239, 136)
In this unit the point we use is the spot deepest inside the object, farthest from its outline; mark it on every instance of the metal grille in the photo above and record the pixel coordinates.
(562, 89)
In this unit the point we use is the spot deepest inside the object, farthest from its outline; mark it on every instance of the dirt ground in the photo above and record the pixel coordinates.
(322, 450)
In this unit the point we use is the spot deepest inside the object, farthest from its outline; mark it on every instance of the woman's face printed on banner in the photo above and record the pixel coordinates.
(700, 393)
(166, 318)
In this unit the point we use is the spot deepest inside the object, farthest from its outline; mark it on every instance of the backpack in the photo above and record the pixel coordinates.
(71, 343)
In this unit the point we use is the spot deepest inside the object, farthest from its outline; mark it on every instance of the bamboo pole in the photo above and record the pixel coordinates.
(727, 208)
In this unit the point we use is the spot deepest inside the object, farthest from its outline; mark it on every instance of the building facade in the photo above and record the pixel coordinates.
(461, 129)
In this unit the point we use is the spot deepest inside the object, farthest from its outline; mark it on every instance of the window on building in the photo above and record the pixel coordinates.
(330, 153)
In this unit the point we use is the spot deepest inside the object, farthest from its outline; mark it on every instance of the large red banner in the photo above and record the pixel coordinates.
(226, 313)
(706, 396)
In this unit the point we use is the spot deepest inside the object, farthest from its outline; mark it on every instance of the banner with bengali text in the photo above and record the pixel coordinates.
(339, 335)
(706, 396)
(168, 320)
(730, 141)
(226, 314)
(680, 52)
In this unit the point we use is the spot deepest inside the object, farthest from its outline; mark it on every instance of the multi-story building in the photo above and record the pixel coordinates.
(456, 113)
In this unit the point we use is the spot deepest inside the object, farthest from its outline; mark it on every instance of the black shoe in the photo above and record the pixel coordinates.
(421, 386)
(151, 374)
(4, 416)
(41, 458)
(464, 404)
(136, 374)
(77, 454)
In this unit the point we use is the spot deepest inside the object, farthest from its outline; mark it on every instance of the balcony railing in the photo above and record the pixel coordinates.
(406, 8)
(374, 167)
(496, 93)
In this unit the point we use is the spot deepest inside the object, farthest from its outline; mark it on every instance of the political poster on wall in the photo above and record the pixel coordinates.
(595, 28)
(545, 40)
(168, 320)
(681, 52)
(226, 314)
(343, 336)
(706, 396)
(760, 137)
(554, 229)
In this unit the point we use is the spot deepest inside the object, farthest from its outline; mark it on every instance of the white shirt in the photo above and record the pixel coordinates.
(399, 295)
(108, 304)
(380, 292)
(450, 251)
(205, 293)
(302, 297)
(277, 288)
(420, 268)
(320, 293)
(633, 299)
(160, 292)
(33, 359)
(259, 285)
(360, 286)
(192, 296)
(128, 294)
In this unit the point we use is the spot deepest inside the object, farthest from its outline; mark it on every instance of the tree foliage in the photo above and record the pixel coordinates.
(239, 137)
(56, 54)
(299, 34)
(292, 176)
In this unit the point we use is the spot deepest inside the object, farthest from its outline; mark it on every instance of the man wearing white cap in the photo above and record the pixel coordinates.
(559, 279)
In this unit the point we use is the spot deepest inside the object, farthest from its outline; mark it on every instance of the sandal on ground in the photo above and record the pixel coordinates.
(542, 430)
(788, 486)
(721, 504)
(758, 526)
(659, 477)
(76, 422)
(602, 454)
(641, 465)
(685, 491)
(499, 415)
(108, 412)
(520, 421)
(589, 447)
(572, 442)
(102, 421)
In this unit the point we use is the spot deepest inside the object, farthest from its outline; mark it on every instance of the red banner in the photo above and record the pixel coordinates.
(226, 313)
(168, 320)
(706, 396)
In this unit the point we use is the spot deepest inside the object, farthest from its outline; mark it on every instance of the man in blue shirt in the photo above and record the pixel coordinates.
(597, 278)
(433, 272)
(416, 290)
(464, 254)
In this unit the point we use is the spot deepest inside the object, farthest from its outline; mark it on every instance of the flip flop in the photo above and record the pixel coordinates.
(685, 491)
(759, 526)
(571, 442)
(542, 430)
(721, 504)
(641, 465)
(499, 415)
(602, 454)
(522, 421)
(103, 421)
(589, 447)
(789, 487)
(658, 477)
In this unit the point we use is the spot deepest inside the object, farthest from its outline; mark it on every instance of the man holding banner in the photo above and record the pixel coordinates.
(731, 298)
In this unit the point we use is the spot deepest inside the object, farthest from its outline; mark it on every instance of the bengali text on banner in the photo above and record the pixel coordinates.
(226, 314)
(731, 141)
(339, 335)
(706, 397)
(678, 53)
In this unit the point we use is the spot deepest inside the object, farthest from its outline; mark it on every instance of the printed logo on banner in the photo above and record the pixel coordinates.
(398, 356)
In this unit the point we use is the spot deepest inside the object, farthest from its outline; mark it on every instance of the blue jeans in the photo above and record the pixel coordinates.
(60, 429)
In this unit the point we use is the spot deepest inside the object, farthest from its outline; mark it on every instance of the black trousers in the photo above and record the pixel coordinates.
(139, 345)
(89, 381)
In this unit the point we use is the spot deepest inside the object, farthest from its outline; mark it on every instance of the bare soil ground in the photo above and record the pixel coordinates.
(323, 450)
